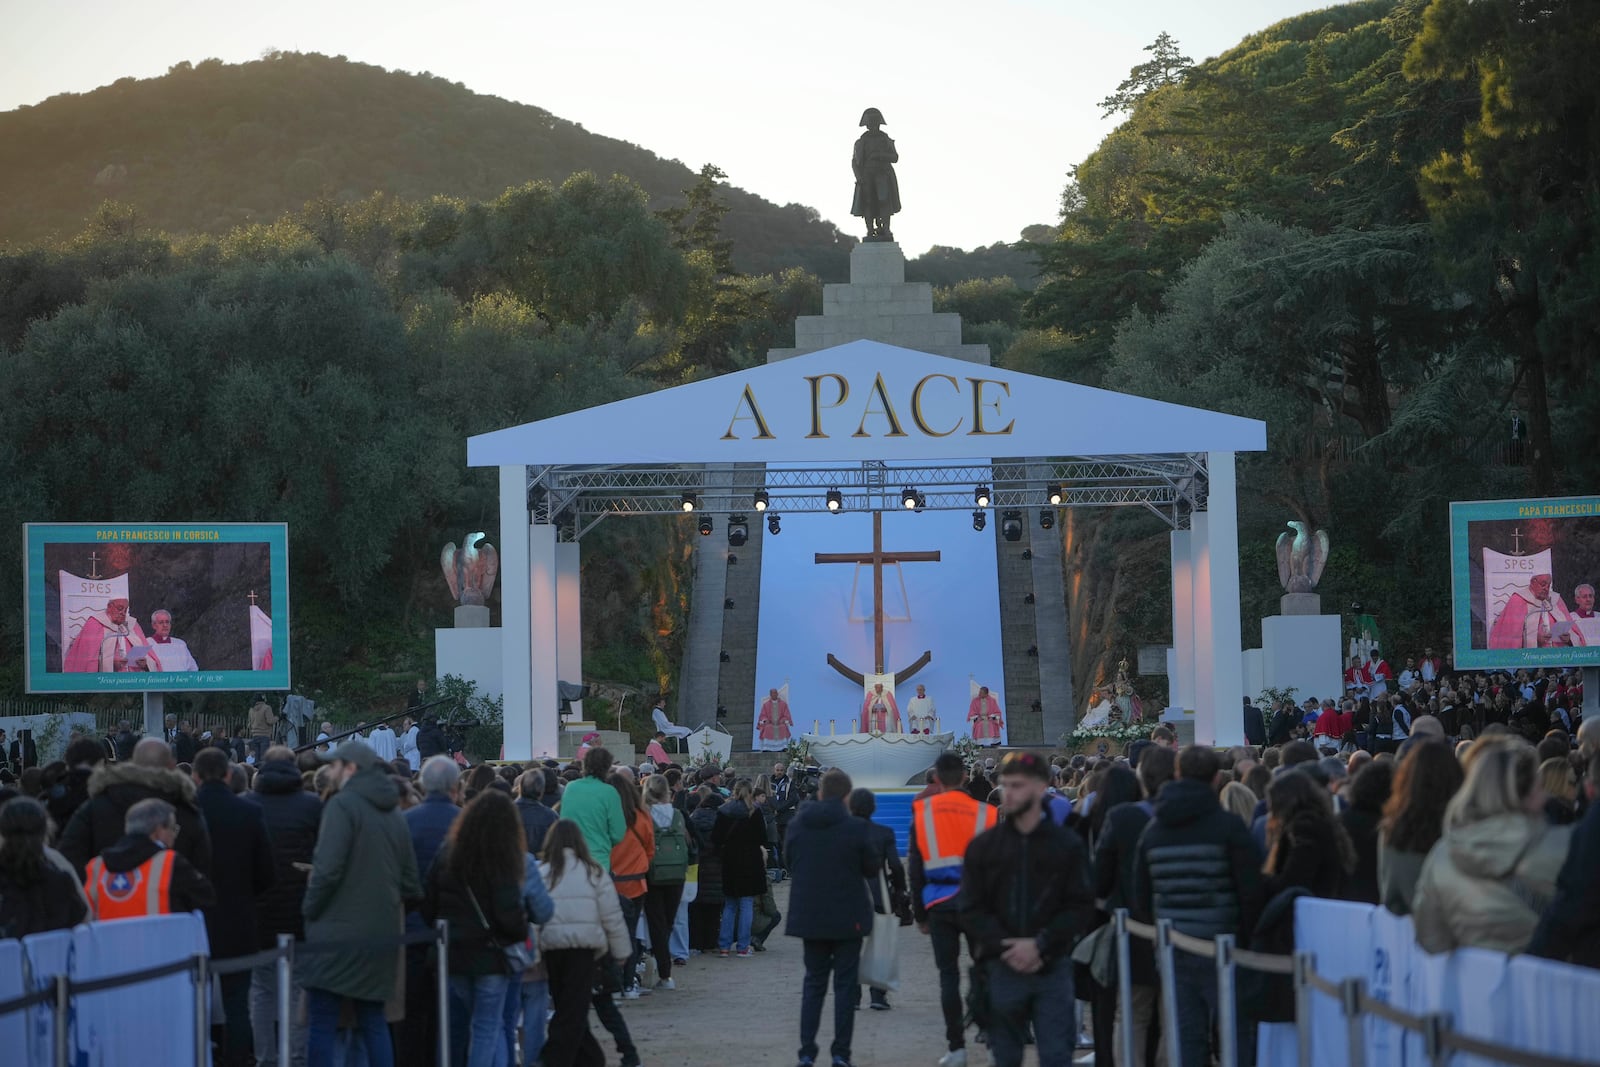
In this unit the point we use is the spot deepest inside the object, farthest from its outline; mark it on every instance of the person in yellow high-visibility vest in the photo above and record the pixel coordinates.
(943, 823)
(141, 875)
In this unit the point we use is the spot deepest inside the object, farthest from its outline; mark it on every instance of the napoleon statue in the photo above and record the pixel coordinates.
(877, 190)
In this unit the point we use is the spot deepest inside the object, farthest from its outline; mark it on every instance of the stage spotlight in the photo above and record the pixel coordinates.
(1027, 553)
(980, 519)
(727, 605)
(761, 499)
(1047, 518)
(738, 530)
(690, 501)
(722, 712)
(1011, 526)
(705, 526)
(732, 559)
(772, 525)
(725, 658)
(1028, 599)
(835, 501)
(908, 498)
(980, 496)
(1033, 650)
(1054, 494)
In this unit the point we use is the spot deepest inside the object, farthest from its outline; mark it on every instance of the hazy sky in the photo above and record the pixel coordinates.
(989, 102)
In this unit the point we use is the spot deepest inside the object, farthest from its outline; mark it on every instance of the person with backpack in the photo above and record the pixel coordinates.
(669, 868)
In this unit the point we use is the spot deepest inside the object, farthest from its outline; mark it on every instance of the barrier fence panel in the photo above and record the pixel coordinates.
(64, 995)
(1423, 1032)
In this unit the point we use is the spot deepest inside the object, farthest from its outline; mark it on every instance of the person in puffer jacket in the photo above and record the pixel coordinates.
(1198, 866)
(587, 924)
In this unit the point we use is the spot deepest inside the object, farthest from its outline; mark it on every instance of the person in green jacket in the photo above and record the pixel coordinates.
(362, 873)
(593, 804)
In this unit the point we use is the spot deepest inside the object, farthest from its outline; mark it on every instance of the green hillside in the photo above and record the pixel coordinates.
(212, 146)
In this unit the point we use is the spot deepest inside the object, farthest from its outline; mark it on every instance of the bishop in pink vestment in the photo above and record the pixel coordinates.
(983, 716)
(879, 713)
(1529, 616)
(774, 722)
(102, 645)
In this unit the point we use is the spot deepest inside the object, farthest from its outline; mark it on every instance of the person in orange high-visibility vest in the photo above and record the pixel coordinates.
(141, 875)
(942, 825)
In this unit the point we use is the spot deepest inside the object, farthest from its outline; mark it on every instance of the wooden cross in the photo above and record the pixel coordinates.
(877, 559)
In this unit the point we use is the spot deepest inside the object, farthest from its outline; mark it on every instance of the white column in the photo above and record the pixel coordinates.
(515, 680)
(569, 621)
(155, 711)
(1223, 622)
(1205, 645)
(1181, 664)
(542, 651)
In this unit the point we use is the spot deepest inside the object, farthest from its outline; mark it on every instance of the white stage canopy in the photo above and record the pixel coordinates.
(868, 420)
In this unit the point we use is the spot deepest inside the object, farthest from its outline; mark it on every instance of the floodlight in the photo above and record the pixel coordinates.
(980, 496)
(835, 501)
(690, 501)
(1011, 526)
(705, 526)
(908, 498)
(1055, 495)
(1047, 518)
(738, 530)
(761, 499)
(979, 520)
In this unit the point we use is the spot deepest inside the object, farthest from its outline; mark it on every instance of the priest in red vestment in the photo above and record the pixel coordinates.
(983, 717)
(774, 723)
(879, 713)
(103, 643)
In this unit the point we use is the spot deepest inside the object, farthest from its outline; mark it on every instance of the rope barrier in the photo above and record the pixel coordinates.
(23, 1003)
(149, 974)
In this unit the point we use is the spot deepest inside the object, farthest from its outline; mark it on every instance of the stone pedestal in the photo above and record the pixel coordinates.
(472, 616)
(880, 305)
(1300, 604)
(471, 652)
(1302, 652)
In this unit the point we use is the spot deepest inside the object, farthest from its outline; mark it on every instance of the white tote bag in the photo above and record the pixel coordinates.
(880, 955)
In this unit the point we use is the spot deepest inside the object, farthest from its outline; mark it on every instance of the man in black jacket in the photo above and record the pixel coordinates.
(830, 856)
(537, 816)
(293, 817)
(1024, 898)
(1198, 866)
(242, 869)
(116, 787)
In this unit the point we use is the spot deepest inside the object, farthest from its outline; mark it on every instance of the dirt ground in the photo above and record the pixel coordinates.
(746, 1013)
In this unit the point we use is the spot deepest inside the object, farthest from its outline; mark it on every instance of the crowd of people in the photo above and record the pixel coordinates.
(574, 888)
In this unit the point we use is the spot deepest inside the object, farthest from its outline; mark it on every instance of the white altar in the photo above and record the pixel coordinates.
(878, 761)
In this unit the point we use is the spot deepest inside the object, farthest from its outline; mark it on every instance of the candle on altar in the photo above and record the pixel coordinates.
(830, 727)
(936, 727)
(816, 726)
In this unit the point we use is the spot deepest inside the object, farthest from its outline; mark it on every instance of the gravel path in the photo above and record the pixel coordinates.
(746, 1013)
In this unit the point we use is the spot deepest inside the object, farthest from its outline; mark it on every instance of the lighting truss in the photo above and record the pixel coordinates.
(578, 497)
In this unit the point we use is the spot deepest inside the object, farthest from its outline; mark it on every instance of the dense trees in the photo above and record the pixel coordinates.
(325, 370)
(1372, 226)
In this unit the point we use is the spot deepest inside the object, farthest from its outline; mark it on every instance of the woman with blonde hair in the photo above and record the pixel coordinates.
(1239, 799)
(1560, 784)
(1488, 878)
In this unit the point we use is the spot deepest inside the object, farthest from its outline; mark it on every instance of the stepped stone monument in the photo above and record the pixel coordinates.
(878, 304)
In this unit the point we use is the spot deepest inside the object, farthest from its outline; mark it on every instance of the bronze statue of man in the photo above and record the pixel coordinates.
(877, 190)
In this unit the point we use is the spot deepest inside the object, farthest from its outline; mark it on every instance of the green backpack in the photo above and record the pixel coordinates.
(670, 865)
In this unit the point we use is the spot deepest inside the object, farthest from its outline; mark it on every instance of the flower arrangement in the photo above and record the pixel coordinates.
(1121, 732)
(798, 750)
(969, 751)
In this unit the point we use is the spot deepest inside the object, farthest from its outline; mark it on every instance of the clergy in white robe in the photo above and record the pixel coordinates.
(921, 714)
(165, 653)
(383, 741)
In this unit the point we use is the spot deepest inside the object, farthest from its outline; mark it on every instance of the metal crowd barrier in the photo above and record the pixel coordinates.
(1439, 1041)
(201, 968)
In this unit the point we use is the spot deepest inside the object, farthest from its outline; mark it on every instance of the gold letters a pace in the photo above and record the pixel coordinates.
(879, 406)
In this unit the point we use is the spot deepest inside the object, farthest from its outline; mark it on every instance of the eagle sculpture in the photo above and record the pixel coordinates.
(1301, 557)
(470, 570)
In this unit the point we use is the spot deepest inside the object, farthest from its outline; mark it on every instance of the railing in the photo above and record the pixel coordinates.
(1439, 1040)
(201, 968)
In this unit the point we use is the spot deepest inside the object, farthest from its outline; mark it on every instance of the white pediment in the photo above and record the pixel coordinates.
(867, 400)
